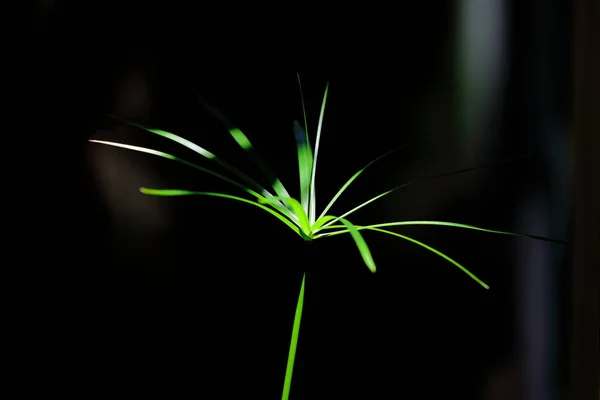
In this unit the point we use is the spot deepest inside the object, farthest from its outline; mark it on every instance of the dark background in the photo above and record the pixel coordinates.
(196, 295)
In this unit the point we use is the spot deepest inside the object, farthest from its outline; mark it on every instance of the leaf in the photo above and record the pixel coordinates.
(176, 192)
(298, 211)
(189, 164)
(339, 193)
(312, 201)
(439, 253)
(305, 161)
(442, 223)
(243, 141)
(361, 244)
(417, 181)
(305, 155)
(321, 221)
(303, 109)
(207, 154)
(289, 370)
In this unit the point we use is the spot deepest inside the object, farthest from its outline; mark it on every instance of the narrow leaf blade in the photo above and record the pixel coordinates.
(361, 244)
(443, 223)
(242, 140)
(461, 171)
(205, 153)
(177, 192)
(298, 210)
(439, 253)
(313, 204)
(289, 370)
(305, 161)
(189, 164)
(356, 175)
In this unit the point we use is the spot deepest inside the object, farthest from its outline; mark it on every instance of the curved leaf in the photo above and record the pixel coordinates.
(361, 244)
(439, 253)
(207, 154)
(189, 164)
(442, 223)
(242, 140)
(297, 209)
(176, 192)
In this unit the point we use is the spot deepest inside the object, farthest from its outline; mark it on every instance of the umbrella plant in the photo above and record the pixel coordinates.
(299, 215)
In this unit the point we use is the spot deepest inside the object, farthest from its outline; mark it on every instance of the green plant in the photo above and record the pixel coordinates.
(299, 216)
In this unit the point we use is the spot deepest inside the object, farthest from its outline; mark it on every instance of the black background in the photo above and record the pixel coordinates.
(206, 308)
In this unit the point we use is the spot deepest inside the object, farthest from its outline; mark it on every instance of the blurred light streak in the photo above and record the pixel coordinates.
(535, 298)
(481, 73)
(545, 211)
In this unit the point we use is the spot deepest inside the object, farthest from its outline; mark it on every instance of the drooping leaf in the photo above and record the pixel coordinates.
(177, 192)
(439, 253)
(440, 223)
(361, 244)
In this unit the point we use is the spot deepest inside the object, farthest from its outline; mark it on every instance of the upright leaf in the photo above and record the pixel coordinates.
(305, 161)
(313, 204)
(289, 370)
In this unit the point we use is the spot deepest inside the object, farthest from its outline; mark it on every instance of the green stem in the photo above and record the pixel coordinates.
(293, 344)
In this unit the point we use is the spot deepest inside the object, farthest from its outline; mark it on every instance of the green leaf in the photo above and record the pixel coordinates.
(303, 108)
(207, 154)
(439, 253)
(361, 244)
(305, 155)
(321, 221)
(334, 220)
(189, 164)
(313, 202)
(442, 223)
(339, 193)
(297, 209)
(417, 181)
(289, 370)
(243, 141)
(305, 161)
(174, 192)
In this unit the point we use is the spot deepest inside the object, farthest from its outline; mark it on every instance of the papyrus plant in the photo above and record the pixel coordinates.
(298, 215)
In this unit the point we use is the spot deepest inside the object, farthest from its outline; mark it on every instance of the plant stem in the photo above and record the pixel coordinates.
(293, 344)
